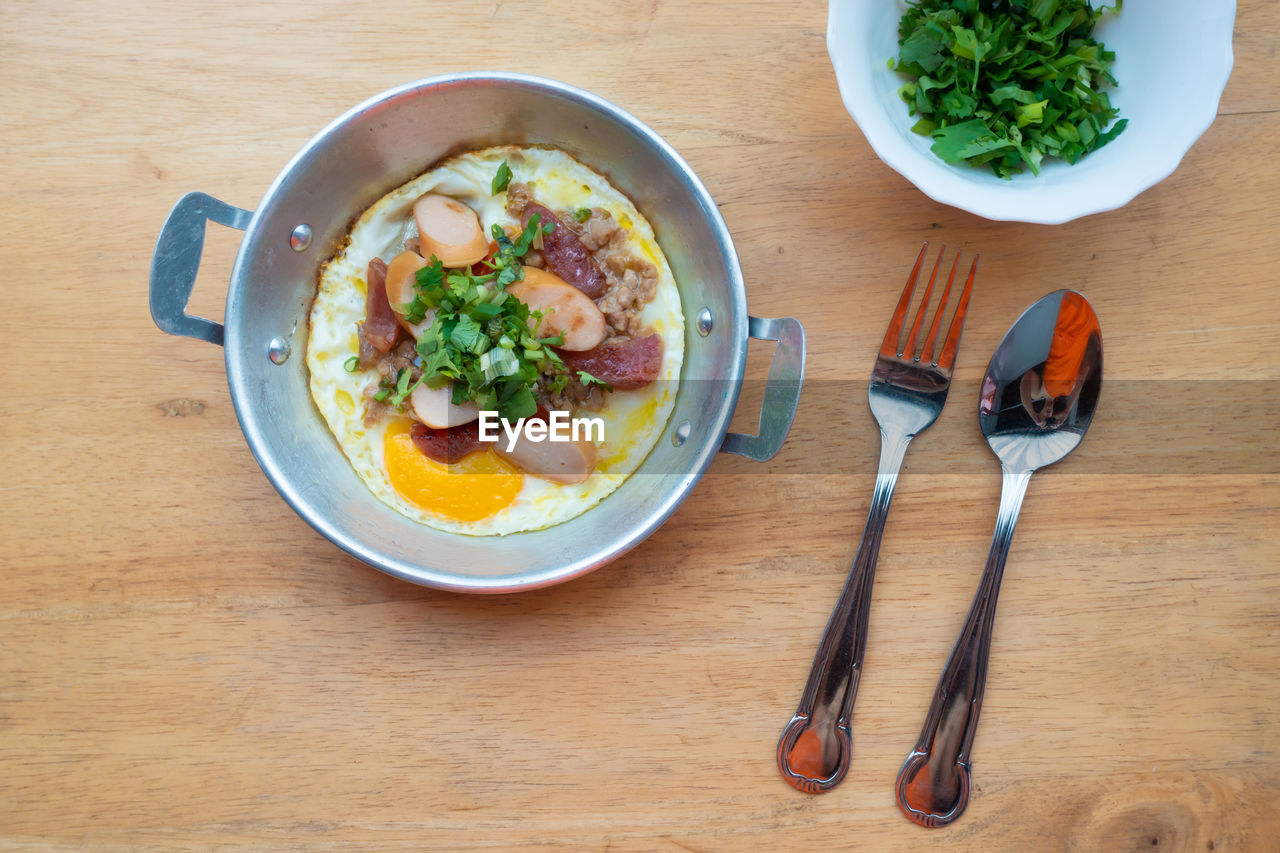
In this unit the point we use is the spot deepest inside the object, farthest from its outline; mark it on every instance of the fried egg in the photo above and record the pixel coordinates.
(482, 494)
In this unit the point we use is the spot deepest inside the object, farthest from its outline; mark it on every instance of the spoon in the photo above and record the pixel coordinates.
(1038, 398)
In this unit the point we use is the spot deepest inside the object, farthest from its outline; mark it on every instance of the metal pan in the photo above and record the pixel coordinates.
(381, 144)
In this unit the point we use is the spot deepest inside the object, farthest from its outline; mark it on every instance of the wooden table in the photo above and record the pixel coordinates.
(185, 664)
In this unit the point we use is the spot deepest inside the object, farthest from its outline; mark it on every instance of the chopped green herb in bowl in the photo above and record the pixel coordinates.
(1007, 83)
(1172, 60)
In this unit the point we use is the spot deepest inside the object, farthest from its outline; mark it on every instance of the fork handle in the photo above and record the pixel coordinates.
(816, 746)
(933, 786)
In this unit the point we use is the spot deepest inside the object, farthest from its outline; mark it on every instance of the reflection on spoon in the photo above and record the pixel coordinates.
(1038, 398)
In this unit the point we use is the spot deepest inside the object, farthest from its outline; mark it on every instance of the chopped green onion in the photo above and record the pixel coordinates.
(351, 364)
(497, 363)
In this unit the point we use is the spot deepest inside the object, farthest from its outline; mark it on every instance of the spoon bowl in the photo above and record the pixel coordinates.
(1042, 384)
(1038, 398)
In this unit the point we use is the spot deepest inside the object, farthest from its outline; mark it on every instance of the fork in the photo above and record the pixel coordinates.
(907, 392)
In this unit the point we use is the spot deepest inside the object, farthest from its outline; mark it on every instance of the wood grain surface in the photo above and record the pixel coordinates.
(185, 664)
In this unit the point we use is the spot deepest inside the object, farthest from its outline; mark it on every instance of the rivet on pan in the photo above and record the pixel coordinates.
(704, 322)
(278, 350)
(681, 435)
(300, 239)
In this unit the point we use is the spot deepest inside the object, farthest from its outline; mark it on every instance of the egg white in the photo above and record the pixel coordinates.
(633, 420)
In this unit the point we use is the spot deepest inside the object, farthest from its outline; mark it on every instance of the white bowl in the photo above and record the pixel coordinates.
(1173, 58)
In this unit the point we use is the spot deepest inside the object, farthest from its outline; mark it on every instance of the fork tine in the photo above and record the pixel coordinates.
(926, 352)
(889, 348)
(909, 348)
(948, 358)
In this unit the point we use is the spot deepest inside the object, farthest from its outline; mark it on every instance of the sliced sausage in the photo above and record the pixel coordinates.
(446, 445)
(450, 230)
(380, 323)
(565, 255)
(625, 363)
(565, 310)
(435, 407)
(402, 275)
(557, 461)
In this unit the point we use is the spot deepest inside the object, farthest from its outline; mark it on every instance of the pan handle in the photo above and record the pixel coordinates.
(177, 258)
(781, 390)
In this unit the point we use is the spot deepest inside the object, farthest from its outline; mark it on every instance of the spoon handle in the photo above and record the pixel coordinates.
(933, 785)
(816, 745)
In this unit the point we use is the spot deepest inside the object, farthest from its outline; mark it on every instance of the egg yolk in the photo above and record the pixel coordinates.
(475, 487)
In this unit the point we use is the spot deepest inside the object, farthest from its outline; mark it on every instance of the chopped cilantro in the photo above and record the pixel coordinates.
(430, 278)
(501, 179)
(1007, 83)
(398, 391)
(588, 380)
(479, 341)
(582, 214)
